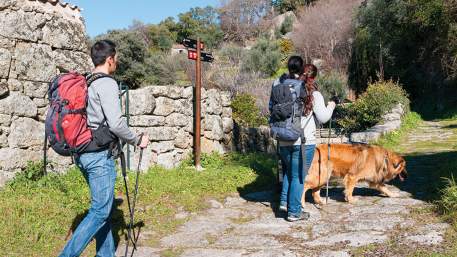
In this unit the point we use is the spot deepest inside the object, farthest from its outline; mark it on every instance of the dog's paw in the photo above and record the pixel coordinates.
(393, 195)
(351, 199)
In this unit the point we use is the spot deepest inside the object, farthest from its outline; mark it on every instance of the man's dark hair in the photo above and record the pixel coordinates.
(295, 66)
(101, 50)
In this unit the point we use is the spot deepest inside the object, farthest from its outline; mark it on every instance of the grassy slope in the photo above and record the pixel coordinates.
(36, 215)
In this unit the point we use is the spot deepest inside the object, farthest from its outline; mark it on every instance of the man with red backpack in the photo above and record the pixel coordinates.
(96, 159)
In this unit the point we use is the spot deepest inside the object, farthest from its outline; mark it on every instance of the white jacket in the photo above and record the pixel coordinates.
(321, 112)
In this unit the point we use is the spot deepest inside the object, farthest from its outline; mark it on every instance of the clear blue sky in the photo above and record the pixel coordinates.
(103, 15)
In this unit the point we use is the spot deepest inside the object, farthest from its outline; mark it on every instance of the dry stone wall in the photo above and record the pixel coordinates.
(37, 39)
(165, 113)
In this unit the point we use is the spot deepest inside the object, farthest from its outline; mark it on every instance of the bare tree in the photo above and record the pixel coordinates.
(324, 31)
(243, 19)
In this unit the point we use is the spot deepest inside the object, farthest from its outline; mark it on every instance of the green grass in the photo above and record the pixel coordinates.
(393, 139)
(37, 214)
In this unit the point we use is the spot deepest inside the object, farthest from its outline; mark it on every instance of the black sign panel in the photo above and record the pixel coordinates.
(192, 43)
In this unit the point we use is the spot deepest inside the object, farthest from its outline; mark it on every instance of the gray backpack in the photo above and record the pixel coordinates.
(287, 110)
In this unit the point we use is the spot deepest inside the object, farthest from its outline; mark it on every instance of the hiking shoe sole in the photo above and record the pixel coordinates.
(302, 216)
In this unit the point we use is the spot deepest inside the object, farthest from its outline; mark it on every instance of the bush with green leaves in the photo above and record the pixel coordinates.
(265, 56)
(403, 40)
(367, 111)
(200, 22)
(33, 171)
(333, 84)
(132, 54)
(246, 112)
(231, 53)
(283, 6)
(165, 69)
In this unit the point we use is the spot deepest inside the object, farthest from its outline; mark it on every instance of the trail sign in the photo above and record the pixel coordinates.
(204, 57)
(192, 43)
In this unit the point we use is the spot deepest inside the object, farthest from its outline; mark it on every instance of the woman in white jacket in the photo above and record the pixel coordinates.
(291, 152)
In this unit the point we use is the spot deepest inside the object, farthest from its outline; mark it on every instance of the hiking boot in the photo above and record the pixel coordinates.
(283, 207)
(301, 216)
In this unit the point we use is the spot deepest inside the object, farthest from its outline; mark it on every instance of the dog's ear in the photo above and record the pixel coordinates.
(399, 163)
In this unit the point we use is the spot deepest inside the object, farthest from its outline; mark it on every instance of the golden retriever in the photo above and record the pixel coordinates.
(354, 163)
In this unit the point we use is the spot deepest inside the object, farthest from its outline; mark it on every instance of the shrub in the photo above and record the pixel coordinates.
(286, 46)
(283, 6)
(332, 84)
(132, 54)
(230, 77)
(403, 40)
(246, 112)
(368, 110)
(34, 171)
(164, 69)
(265, 57)
(287, 25)
(448, 202)
(231, 53)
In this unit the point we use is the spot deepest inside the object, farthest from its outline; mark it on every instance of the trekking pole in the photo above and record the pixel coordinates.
(329, 172)
(129, 229)
(135, 194)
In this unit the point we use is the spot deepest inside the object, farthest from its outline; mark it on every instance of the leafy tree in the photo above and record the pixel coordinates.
(265, 56)
(287, 25)
(283, 6)
(161, 37)
(404, 40)
(200, 22)
(132, 53)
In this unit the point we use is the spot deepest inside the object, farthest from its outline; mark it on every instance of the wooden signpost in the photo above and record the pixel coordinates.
(195, 53)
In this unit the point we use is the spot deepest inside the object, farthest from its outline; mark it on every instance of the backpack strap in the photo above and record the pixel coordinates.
(92, 77)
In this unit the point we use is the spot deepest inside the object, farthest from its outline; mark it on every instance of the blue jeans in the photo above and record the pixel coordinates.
(99, 170)
(294, 175)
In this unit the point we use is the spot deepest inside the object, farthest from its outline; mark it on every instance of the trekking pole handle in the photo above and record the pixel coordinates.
(140, 136)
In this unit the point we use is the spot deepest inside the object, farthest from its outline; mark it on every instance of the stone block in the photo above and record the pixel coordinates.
(5, 62)
(22, 25)
(142, 101)
(183, 139)
(177, 120)
(35, 89)
(162, 146)
(14, 158)
(34, 62)
(26, 132)
(162, 133)
(164, 106)
(227, 124)
(365, 137)
(213, 127)
(65, 34)
(167, 160)
(147, 121)
(73, 61)
(19, 105)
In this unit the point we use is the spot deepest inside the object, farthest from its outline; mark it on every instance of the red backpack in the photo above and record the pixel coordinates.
(66, 126)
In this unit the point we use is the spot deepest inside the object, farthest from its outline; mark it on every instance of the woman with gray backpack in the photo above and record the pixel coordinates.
(295, 103)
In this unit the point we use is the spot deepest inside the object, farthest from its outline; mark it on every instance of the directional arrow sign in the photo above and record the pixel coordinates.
(205, 57)
(192, 43)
